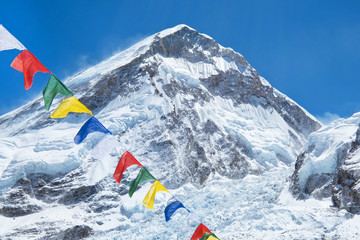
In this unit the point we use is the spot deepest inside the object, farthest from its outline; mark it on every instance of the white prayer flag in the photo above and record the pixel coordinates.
(8, 41)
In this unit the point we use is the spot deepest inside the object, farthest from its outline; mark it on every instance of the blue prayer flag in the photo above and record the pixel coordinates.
(91, 125)
(171, 208)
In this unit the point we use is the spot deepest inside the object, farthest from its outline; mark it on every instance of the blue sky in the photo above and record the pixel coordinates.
(309, 50)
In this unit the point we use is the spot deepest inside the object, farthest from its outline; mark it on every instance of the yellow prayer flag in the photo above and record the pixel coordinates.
(70, 104)
(150, 196)
(212, 238)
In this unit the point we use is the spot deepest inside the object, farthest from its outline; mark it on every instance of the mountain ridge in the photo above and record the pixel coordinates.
(150, 43)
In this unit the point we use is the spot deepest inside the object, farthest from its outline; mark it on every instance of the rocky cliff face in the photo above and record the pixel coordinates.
(186, 107)
(329, 166)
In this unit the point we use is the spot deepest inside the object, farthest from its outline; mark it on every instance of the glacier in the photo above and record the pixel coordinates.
(199, 117)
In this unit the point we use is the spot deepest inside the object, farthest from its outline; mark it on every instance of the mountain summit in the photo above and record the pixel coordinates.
(196, 102)
(190, 110)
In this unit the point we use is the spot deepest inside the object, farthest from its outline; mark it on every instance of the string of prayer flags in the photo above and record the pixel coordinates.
(200, 231)
(91, 125)
(27, 63)
(125, 161)
(143, 176)
(53, 88)
(150, 196)
(171, 208)
(70, 104)
(8, 41)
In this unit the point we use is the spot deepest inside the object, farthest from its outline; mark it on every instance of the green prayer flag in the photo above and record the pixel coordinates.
(53, 88)
(142, 176)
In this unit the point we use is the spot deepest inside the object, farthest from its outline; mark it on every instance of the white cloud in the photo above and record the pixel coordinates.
(327, 118)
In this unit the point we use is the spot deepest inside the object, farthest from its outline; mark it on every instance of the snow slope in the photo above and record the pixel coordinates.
(198, 116)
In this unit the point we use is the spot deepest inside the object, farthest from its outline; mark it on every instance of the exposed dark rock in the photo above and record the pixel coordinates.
(19, 210)
(80, 194)
(346, 191)
(16, 202)
(210, 127)
(77, 232)
(321, 182)
(101, 203)
(294, 180)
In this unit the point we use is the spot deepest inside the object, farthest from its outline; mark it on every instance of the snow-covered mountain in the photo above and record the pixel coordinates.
(329, 166)
(198, 116)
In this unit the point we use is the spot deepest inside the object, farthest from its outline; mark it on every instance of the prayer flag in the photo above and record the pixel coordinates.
(91, 125)
(200, 231)
(125, 161)
(103, 152)
(171, 208)
(191, 218)
(150, 196)
(209, 236)
(53, 88)
(142, 176)
(8, 41)
(28, 64)
(70, 104)
(212, 237)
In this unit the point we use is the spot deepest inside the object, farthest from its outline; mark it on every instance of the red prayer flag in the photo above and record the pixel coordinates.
(199, 232)
(28, 64)
(126, 161)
